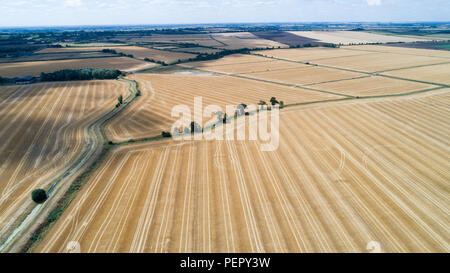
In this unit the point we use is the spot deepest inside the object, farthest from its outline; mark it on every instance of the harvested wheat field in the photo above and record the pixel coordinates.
(433, 73)
(373, 86)
(380, 62)
(399, 50)
(11, 70)
(307, 75)
(238, 63)
(344, 175)
(155, 54)
(310, 54)
(43, 131)
(354, 37)
(151, 113)
(260, 65)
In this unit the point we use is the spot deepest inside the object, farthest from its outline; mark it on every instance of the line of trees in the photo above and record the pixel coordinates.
(81, 74)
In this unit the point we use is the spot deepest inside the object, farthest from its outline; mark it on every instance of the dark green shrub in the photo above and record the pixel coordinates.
(39, 196)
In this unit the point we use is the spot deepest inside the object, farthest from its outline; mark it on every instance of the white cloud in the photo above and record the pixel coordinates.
(374, 2)
(73, 3)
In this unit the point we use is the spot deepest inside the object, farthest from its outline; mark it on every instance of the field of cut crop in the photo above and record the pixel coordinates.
(380, 61)
(373, 85)
(400, 50)
(354, 37)
(435, 73)
(155, 54)
(43, 132)
(310, 54)
(306, 75)
(151, 113)
(20, 69)
(345, 174)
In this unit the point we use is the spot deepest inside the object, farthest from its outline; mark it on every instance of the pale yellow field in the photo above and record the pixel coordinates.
(436, 73)
(354, 37)
(230, 60)
(380, 61)
(35, 68)
(262, 65)
(151, 114)
(306, 75)
(310, 54)
(400, 50)
(43, 133)
(373, 85)
(343, 176)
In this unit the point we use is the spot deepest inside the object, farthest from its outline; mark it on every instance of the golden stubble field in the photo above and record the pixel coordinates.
(345, 174)
(43, 132)
(151, 113)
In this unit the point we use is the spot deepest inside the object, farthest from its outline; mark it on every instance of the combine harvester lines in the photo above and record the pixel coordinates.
(342, 177)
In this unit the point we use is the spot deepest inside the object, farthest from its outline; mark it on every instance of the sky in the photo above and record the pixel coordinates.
(133, 12)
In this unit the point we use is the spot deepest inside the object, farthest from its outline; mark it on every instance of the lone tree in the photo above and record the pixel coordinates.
(39, 196)
(120, 99)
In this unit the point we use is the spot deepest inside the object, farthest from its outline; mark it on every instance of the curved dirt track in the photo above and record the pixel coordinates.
(44, 131)
(344, 175)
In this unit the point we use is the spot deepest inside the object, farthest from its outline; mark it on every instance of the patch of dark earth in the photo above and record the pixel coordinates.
(287, 38)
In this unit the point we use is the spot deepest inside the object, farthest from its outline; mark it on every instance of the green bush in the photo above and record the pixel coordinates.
(39, 196)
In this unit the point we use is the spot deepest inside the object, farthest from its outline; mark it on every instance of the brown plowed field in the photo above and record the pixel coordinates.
(43, 132)
(345, 174)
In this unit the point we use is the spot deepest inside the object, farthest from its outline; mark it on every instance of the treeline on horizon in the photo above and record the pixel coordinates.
(81, 74)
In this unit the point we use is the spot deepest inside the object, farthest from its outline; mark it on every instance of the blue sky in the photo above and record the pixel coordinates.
(107, 12)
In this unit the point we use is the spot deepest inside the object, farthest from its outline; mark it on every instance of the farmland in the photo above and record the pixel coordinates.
(435, 73)
(35, 68)
(151, 114)
(362, 156)
(43, 132)
(344, 174)
(354, 37)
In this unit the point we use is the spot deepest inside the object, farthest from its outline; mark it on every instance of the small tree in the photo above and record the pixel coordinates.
(281, 104)
(166, 134)
(273, 101)
(120, 99)
(39, 196)
(225, 118)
